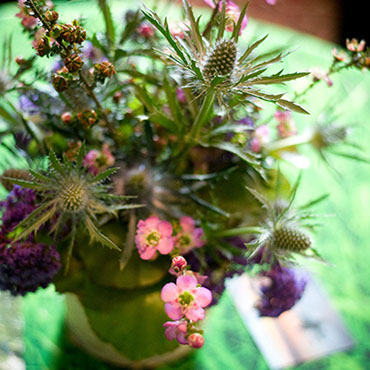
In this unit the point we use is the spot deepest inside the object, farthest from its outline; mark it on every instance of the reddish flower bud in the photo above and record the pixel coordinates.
(80, 35)
(196, 340)
(178, 263)
(56, 31)
(66, 117)
(73, 63)
(21, 62)
(68, 33)
(87, 118)
(60, 84)
(117, 97)
(51, 16)
(43, 47)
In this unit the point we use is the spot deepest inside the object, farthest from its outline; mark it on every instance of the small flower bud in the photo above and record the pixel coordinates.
(43, 47)
(145, 30)
(68, 33)
(178, 263)
(51, 16)
(21, 61)
(66, 117)
(117, 97)
(80, 35)
(196, 340)
(73, 63)
(56, 31)
(87, 118)
(60, 84)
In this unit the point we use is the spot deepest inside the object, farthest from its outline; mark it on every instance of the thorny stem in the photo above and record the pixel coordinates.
(87, 87)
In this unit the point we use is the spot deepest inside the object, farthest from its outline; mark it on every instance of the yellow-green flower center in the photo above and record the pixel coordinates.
(185, 299)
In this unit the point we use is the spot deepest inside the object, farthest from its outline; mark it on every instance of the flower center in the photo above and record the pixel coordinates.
(185, 298)
(153, 238)
(184, 240)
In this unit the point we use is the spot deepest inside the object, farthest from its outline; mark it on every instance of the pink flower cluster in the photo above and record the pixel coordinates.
(185, 302)
(261, 136)
(286, 126)
(97, 161)
(154, 235)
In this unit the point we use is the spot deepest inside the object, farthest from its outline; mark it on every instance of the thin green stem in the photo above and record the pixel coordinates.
(239, 231)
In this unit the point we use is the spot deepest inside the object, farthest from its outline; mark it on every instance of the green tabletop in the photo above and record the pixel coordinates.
(343, 240)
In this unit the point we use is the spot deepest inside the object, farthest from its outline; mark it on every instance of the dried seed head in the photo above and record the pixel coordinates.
(293, 240)
(221, 60)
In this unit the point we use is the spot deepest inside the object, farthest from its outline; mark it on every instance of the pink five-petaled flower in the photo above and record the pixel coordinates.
(196, 340)
(189, 236)
(176, 330)
(232, 12)
(185, 298)
(153, 235)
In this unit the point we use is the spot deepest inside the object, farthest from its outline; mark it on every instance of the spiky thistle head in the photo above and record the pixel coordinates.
(70, 195)
(211, 63)
(220, 60)
(283, 233)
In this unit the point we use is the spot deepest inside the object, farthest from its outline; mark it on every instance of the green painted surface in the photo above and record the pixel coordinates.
(343, 241)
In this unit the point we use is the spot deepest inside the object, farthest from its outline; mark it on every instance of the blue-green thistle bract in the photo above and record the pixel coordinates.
(70, 196)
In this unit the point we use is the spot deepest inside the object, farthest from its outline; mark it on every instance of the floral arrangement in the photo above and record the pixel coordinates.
(150, 151)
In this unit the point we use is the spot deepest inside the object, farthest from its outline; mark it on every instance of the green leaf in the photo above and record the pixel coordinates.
(251, 48)
(36, 224)
(55, 163)
(164, 121)
(291, 106)
(39, 176)
(80, 156)
(194, 27)
(157, 23)
(95, 234)
(27, 184)
(103, 175)
(237, 27)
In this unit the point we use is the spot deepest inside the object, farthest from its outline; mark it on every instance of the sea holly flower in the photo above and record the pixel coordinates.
(176, 330)
(196, 340)
(153, 235)
(97, 161)
(189, 236)
(185, 298)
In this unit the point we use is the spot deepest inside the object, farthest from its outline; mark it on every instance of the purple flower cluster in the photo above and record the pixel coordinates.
(284, 289)
(26, 265)
(17, 206)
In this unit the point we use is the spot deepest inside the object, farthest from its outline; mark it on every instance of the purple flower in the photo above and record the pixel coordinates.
(28, 105)
(17, 206)
(284, 289)
(26, 266)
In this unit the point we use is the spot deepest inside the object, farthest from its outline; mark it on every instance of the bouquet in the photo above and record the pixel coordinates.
(151, 165)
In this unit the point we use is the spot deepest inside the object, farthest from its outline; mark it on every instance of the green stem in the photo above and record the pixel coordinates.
(202, 116)
(239, 231)
(288, 143)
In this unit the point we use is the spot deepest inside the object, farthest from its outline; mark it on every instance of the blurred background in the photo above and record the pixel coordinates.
(331, 20)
